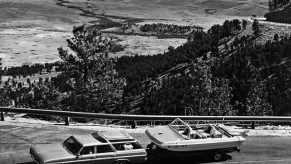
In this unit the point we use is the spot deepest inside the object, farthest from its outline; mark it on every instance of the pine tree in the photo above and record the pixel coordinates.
(276, 37)
(96, 86)
(256, 27)
(244, 23)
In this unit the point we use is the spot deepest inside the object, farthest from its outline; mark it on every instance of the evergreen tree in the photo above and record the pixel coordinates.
(256, 27)
(237, 24)
(244, 23)
(276, 37)
(95, 85)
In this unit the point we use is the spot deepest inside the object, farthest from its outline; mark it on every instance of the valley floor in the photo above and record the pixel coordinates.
(31, 31)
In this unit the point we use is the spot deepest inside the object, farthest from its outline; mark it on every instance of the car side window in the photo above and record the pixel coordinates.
(136, 145)
(119, 146)
(87, 150)
(127, 146)
(104, 149)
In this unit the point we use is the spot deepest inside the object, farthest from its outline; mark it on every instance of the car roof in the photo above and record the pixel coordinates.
(115, 136)
(87, 140)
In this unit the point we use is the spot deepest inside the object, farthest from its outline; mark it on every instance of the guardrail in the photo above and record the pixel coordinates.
(143, 117)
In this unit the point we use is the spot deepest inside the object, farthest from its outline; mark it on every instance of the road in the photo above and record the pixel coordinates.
(15, 141)
(263, 20)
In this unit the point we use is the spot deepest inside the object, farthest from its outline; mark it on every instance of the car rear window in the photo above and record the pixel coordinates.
(99, 138)
(72, 145)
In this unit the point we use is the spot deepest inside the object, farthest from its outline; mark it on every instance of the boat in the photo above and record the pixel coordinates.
(179, 136)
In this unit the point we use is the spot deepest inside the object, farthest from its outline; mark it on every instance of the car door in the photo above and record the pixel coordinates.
(105, 154)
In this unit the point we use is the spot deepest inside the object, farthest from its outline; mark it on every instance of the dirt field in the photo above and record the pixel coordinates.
(143, 45)
(31, 31)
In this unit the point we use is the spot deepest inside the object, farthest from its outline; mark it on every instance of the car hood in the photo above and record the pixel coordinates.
(50, 153)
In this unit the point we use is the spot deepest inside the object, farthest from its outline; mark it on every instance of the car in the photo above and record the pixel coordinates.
(99, 147)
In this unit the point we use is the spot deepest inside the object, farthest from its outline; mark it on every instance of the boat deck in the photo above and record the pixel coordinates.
(164, 134)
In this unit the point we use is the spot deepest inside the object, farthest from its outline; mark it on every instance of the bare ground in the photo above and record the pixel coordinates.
(31, 31)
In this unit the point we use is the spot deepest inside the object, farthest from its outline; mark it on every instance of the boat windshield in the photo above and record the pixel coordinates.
(72, 145)
(202, 132)
(179, 125)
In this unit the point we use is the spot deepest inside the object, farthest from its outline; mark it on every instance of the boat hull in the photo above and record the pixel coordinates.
(203, 144)
(201, 156)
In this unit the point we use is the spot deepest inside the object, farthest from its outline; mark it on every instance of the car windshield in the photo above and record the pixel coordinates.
(72, 145)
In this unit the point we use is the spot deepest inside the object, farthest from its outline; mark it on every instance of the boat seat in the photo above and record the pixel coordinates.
(215, 133)
(187, 132)
(195, 134)
(205, 135)
(210, 131)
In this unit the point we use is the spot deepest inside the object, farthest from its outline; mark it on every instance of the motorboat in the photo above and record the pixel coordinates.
(179, 136)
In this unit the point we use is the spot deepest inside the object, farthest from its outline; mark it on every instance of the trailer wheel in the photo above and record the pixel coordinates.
(217, 156)
(152, 146)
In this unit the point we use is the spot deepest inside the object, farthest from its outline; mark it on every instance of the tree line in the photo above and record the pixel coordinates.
(30, 70)
(161, 28)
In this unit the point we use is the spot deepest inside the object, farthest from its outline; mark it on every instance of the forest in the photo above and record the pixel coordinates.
(279, 11)
(172, 29)
(210, 74)
(275, 4)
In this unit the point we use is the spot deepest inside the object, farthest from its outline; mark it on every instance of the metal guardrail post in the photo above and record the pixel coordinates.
(253, 125)
(2, 116)
(67, 121)
(133, 124)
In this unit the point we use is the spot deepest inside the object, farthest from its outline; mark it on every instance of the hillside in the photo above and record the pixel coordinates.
(249, 68)
(280, 16)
